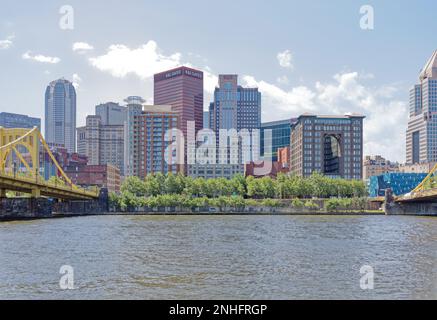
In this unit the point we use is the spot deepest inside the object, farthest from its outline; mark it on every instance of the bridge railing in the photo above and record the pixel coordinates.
(11, 139)
(25, 177)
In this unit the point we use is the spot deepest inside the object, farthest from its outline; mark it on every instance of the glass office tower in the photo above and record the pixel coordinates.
(60, 114)
(422, 123)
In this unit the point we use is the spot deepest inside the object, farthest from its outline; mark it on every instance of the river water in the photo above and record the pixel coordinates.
(220, 257)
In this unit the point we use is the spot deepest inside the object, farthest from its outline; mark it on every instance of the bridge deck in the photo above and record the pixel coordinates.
(28, 185)
(421, 196)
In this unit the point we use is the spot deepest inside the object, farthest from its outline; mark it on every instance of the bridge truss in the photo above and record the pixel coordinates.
(21, 154)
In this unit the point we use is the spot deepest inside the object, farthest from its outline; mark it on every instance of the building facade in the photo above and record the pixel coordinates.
(102, 144)
(205, 120)
(152, 152)
(182, 89)
(60, 114)
(13, 120)
(280, 133)
(64, 159)
(424, 167)
(111, 113)
(422, 125)
(399, 183)
(102, 176)
(331, 145)
(236, 108)
(284, 156)
(212, 171)
(134, 107)
(377, 165)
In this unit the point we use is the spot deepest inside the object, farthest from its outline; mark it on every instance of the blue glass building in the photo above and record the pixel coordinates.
(422, 124)
(400, 183)
(281, 131)
(60, 114)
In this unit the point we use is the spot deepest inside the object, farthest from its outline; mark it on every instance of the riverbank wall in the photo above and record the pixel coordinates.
(411, 208)
(43, 208)
(28, 208)
(408, 208)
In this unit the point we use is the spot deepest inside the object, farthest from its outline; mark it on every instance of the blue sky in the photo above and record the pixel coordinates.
(329, 64)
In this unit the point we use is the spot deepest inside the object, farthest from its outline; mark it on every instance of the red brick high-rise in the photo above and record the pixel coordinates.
(182, 88)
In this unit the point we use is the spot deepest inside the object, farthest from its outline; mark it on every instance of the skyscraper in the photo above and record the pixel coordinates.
(102, 138)
(239, 108)
(60, 114)
(422, 124)
(111, 113)
(235, 107)
(182, 89)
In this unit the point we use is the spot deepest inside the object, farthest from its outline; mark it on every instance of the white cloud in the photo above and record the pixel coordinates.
(76, 81)
(285, 59)
(7, 43)
(144, 61)
(386, 119)
(40, 58)
(82, 47)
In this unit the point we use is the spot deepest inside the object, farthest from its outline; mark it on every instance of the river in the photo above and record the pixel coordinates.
(220, 257)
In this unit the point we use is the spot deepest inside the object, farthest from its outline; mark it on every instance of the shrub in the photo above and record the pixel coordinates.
(311, 205)
(251, 202)
(274, 203)
(297, 203)
(332, 204)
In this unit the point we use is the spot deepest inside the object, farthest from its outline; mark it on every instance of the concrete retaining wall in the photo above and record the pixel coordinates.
(412, 208)
(33, 208)
(25, 208)
(391, 207)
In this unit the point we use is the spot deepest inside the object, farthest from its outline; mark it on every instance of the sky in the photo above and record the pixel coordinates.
(304, 56)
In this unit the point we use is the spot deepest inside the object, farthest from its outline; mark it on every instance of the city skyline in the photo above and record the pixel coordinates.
(295, 76)
(193, 152)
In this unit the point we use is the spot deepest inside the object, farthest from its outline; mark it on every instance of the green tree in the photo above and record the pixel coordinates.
(238, 184)
(134, 185)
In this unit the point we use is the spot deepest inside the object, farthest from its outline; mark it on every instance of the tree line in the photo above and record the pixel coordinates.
(283, 187)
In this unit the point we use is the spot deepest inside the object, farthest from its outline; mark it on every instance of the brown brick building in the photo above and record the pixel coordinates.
(331, 145)
(102, 176)
(150, 154)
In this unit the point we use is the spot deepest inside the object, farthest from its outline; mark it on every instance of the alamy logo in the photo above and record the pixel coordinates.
(367, 281)
(67, 19)
(367, 21)
(67, 279)
(228, 146)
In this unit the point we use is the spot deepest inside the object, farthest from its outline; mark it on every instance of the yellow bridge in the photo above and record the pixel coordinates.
(20, 148)
(425, 191)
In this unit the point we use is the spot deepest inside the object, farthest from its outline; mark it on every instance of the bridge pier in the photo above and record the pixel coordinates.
(36, 193)
(410, 208)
